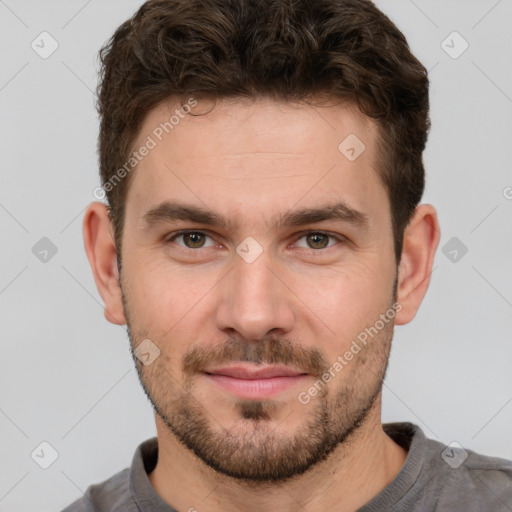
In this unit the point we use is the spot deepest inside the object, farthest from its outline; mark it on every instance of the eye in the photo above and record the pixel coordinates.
(315, 240)
(192, 239)
(318, 240)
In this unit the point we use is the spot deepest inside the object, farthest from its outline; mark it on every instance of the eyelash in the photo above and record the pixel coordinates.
(177, 234)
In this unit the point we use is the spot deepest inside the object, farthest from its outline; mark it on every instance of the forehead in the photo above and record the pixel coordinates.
(256, 157)
(255, 125)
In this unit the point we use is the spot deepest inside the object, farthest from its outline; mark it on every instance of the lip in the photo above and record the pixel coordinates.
(255, 383)
(250, 373)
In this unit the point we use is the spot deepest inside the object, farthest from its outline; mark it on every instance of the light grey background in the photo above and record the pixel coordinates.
(66, 375)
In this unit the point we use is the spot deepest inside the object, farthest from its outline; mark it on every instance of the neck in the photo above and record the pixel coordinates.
(350, 477)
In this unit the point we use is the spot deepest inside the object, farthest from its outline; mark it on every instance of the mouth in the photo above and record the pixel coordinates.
(248, 381)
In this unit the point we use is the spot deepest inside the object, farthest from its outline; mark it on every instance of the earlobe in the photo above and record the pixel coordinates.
(101, 252)
(421, 239)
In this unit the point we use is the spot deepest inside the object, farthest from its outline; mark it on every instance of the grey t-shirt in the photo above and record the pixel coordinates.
(434, 478)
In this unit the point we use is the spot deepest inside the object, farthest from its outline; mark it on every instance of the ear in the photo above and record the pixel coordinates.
(421, 238)
(101, 253)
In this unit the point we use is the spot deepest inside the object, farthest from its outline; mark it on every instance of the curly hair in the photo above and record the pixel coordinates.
(288, 50)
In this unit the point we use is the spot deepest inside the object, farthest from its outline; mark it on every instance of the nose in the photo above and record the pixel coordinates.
(255, 300)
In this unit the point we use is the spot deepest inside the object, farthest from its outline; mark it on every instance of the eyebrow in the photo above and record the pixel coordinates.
(169, 211)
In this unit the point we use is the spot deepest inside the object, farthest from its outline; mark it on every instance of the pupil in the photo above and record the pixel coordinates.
(316, 236)
(193, 239)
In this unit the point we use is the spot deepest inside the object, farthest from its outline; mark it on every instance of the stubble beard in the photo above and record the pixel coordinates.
(255, 449)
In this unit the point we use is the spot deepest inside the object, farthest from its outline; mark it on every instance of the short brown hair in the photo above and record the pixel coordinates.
(284, 49)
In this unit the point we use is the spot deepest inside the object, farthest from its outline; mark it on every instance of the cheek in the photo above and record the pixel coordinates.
(164, 298)
(349, 300)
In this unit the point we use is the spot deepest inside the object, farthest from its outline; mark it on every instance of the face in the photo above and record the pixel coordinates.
(273, 257)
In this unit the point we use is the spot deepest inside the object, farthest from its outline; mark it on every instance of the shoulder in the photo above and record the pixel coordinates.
(112, 494)
(467, 478)
(116, 494)
(449, 477)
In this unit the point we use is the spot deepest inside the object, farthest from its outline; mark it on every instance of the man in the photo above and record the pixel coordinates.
(262, 161)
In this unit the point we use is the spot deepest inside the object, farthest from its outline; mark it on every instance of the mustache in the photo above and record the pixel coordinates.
(270, 350)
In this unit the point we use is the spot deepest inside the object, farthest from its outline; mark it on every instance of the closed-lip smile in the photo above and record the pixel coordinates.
(251, 382)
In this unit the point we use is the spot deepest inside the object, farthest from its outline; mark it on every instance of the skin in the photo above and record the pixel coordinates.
(250, 161)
